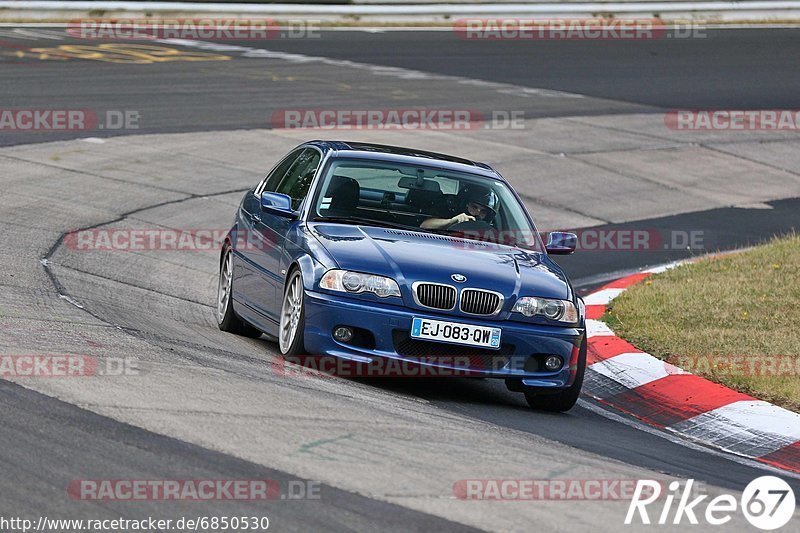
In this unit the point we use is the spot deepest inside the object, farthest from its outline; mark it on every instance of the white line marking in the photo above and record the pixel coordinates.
(754, 415)
(602, 297)
(378, 70)
(596, 328)
(635, 369)
(742, 460)
(31, 35)
(70, 300)
(663, 268)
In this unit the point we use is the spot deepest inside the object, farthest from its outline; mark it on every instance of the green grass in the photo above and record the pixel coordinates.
(734, 319)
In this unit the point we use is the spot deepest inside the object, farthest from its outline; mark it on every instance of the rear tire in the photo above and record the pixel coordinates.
(227, 320)
(564, 400)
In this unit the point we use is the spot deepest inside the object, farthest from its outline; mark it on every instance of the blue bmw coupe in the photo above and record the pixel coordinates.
(372, 253)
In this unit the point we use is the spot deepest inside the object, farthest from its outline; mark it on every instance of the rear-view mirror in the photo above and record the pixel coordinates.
(419, 184)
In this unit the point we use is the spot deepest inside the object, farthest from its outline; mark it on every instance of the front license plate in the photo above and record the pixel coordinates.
(437, 330)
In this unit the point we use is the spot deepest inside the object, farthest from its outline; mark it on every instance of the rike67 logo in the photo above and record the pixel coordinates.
(767, 502)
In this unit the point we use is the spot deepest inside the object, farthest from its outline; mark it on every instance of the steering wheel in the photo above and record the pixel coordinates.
(473, 228)
(470, 225)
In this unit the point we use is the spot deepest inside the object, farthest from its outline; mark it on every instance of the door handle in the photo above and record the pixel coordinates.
(255, 217)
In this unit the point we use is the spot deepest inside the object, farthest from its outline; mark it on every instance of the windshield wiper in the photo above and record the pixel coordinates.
(366, 222)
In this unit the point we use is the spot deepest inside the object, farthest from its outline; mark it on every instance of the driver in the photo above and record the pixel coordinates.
(477, 203)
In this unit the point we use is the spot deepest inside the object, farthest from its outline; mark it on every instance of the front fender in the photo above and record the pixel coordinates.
(302, 250)
(228, 241)
(310, 269)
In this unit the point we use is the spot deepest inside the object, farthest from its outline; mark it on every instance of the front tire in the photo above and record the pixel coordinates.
(227, 320)
(564, 400)
(293, 316)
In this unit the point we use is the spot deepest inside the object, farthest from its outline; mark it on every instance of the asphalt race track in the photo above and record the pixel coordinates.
(591, 151)
(739, 69)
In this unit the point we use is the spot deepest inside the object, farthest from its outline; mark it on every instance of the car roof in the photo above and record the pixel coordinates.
(400, 154)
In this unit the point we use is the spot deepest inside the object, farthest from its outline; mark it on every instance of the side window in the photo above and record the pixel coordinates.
(271, 182)
(298, 180)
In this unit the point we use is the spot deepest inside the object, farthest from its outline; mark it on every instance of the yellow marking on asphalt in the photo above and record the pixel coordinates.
(22, 54)
(271, 76)
(140, 54)
(254, 75)
(401, 94)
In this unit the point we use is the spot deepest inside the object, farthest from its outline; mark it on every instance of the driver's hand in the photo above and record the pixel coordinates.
(461, 217)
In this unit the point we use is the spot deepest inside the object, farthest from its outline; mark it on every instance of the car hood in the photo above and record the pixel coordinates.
(409, 256)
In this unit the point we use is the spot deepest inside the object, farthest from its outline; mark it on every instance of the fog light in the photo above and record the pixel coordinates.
(343, 334)
(552, 363)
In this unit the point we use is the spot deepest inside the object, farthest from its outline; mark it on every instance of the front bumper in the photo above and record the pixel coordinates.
(390, 325)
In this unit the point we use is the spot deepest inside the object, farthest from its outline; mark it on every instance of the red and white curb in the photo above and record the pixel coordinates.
(667, 397)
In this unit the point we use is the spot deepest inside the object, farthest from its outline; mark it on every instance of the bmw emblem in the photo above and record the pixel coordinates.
(459, 278)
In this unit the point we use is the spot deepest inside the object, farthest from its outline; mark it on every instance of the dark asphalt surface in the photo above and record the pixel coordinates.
(51, 442)
(741, 69)
(714, 230)
(46, 444)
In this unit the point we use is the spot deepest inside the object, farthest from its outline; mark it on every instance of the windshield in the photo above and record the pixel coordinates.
(423, 199)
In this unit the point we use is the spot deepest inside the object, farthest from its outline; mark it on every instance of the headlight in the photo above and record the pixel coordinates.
(356, 282)
(559, 310)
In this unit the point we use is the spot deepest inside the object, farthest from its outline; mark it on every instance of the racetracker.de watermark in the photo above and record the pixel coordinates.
(733, 120)
(592, 239)
(546, 489)
(163, 240)
(193, 489)
(637, 239)
(302, 366)
(192, 28)
(149, 523)
(393, 119)
(211, 239)
(740, 365)
(55, 120)
(65, 366)
(581, 29)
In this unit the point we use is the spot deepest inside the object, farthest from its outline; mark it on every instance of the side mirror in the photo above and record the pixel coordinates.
(561, 243)
(278, 204)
